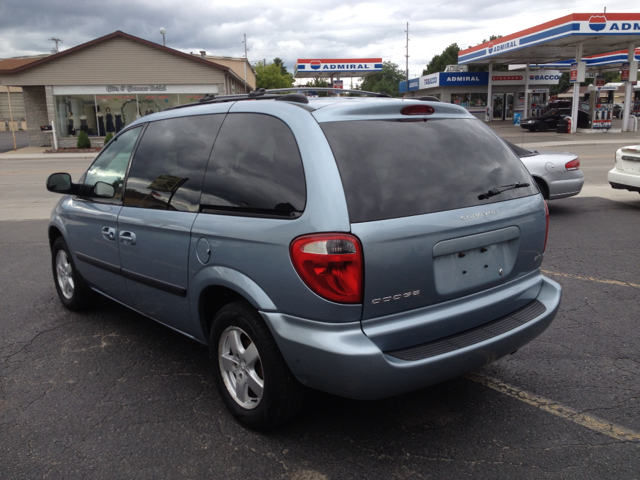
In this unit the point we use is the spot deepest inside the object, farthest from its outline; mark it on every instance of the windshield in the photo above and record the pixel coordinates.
(392, 168)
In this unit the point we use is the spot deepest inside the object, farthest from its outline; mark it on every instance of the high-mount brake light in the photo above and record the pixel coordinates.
(573, 164)
(330, 265)
(417, 110)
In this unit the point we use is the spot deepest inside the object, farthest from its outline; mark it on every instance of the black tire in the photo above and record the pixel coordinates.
(72, 290)
(543, 127)
(242, 341)
(543, 188)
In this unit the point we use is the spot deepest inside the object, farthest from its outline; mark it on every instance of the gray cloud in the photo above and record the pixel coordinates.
(289, 30)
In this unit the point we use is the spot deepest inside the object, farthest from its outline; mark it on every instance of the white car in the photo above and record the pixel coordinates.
(557, 174)
(626, 174)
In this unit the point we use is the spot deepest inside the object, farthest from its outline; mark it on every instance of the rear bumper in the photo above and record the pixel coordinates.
(341, 359)
(624, 181)
(564, 184)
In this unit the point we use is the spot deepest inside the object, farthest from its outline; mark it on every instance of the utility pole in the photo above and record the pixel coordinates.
(407, 55)
(57, 41)
(13, 132)
(245, 62)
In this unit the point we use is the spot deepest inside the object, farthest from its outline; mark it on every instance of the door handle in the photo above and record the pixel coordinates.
(109, 233)
(127, 238)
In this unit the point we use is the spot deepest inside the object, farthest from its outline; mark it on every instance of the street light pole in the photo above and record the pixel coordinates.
(163, 31)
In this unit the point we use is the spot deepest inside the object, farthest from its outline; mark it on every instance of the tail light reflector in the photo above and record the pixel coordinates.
(573, 164)
(330, 265)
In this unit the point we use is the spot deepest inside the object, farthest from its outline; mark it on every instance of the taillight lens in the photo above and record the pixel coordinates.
(331, 265)
(546, 233)
(573, 164)
(417, 110)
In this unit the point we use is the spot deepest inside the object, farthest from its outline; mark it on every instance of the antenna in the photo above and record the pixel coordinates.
(57, 40)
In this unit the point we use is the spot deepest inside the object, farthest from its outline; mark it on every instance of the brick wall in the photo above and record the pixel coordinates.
(35, 105)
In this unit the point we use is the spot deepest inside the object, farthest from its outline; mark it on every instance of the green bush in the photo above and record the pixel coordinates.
(83, 140)
(108, 137)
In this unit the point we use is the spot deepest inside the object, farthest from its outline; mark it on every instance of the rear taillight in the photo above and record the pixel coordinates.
(546, 233)
(331, 265)
(573, 164)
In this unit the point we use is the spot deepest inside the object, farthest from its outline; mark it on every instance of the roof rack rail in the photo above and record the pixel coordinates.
(281, 94)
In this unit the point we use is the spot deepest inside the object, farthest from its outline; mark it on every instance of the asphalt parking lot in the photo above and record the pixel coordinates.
(111, 394)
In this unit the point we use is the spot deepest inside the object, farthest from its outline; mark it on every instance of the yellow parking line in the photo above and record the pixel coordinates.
(593, 423)
(591, 279)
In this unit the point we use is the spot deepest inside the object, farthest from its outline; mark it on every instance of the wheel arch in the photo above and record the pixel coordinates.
(219, 286)
(542, 185)
(54, 232)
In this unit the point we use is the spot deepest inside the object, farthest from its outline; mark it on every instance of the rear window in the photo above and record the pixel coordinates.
(398, 168)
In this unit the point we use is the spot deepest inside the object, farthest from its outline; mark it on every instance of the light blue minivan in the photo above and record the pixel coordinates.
(363, 246)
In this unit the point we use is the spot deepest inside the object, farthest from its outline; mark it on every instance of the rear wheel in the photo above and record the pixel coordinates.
(252, 377)
(543, 188)
(543, 127)
(73, 292)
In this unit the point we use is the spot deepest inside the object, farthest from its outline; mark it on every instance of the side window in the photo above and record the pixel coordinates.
(111, 166)
(255, 169)
(169, 164)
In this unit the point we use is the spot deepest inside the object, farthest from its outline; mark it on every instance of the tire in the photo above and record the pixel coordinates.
(543, 188)
(543, 127)
(252, 377)
(72, 290)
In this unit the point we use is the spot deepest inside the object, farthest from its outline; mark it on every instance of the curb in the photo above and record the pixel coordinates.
(41, 156)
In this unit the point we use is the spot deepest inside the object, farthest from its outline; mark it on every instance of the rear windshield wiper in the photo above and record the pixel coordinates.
(498, 190)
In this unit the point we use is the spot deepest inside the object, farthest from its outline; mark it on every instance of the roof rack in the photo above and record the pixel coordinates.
(276, 94)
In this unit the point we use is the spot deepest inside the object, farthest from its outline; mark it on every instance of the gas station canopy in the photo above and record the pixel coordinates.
(336, 67)
(556, 40)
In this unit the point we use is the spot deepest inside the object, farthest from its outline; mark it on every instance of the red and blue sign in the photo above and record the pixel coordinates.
(346, 67)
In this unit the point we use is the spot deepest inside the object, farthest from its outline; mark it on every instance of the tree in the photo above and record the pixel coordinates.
(278, 61)
(270, 76)
(386, 81)
(438, 63)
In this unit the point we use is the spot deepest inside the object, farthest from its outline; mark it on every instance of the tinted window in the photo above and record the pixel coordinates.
(255, 168)
(111, 166)
(393, 169)
(169, 164)
(519, 151)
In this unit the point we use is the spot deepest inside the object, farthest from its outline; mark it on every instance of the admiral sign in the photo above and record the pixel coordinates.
(348, 67)
(600, 24)
(502, 47)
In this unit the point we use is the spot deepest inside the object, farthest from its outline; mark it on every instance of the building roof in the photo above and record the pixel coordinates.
(19, 67)
(13, 63)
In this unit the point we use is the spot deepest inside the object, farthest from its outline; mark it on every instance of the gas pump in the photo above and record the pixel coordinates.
(602, 110)
(538, 100)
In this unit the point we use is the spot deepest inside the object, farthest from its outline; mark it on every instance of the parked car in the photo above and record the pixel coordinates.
(618, 109)
(626, 173)
(557, 174)
(312, 242)
(549, 120)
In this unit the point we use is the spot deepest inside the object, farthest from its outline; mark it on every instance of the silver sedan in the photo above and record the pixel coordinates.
(557, 174)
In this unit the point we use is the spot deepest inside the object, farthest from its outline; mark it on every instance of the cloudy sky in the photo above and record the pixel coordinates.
(286, 29)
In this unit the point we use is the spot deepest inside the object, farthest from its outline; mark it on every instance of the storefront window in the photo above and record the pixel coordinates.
(461, 99)
(101, 114)
(478, 100)
(76, 113)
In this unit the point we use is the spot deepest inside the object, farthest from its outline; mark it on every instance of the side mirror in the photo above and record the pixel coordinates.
(104, 190)
(60, 183)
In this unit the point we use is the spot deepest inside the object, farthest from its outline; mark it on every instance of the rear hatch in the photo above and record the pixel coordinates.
(418, 194)
(628, 159)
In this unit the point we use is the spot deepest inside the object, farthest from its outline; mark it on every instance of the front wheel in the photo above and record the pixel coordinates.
(252, 377)
(73, 292)
(543, 127)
